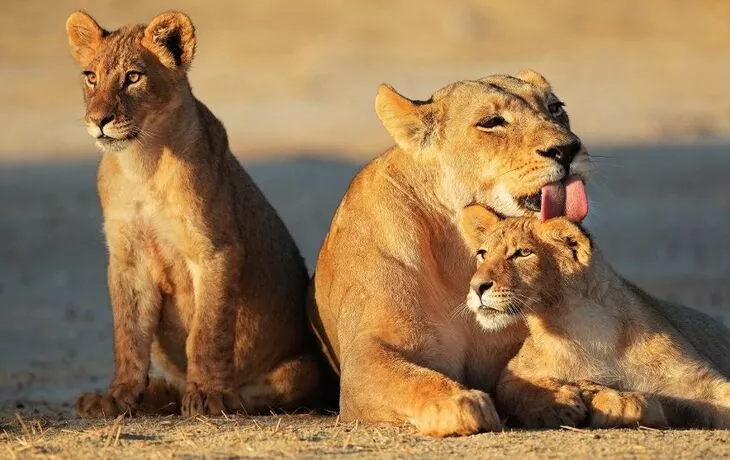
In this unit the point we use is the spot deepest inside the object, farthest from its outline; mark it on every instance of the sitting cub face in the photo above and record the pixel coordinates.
(522, 264)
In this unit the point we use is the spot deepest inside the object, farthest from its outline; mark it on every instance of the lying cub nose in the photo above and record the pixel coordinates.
(563, 153)
(483, 287)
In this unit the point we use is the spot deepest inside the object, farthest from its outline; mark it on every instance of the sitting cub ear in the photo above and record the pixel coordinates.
(171, 37)
(570, 235)
(410, 123)
(84, 36)
(475, 223)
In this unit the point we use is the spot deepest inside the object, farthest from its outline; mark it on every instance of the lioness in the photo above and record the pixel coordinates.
(393, 267)
(203, 275)
(600, 350)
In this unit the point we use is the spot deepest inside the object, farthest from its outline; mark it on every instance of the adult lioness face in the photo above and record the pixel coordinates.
(502, 141)
(131, 76)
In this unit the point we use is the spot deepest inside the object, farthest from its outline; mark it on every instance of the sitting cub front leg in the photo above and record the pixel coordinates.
(210, 387)
(135, 305)
(610, 408)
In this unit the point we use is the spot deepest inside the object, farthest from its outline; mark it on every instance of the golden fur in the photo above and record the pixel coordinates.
(203, 275)
(600, 350)
(393, 267)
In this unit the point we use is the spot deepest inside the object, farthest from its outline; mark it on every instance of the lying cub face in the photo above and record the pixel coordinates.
(523, 265)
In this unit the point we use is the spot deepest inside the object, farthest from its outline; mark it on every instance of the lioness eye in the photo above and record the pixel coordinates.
(556, 108)
(90, 78)
(132, 77)
(491, 122)
(524, 252)
(481, 254)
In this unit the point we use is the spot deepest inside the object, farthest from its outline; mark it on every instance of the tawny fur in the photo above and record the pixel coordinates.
(203, 275)
(393, 268)
(600, 351)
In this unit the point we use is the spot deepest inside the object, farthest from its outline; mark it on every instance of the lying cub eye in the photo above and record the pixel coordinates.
(524, 252)
(90, 78)
(490, 122)
(132, 78)
(556, 108)
(481, 254)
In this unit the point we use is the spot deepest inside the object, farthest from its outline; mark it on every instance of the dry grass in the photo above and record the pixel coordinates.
(308, 435)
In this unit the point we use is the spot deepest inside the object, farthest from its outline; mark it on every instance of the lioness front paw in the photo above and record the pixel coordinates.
(468, 412)
(553, 408)
(610, 408)
(197, 401)
(120, 399)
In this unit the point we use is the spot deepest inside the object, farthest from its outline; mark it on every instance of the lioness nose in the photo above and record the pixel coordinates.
(482, 287)
(563, 153)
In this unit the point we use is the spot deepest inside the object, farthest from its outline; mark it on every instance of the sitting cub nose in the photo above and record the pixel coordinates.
(563, 153)
(101, 120)
(482, 286)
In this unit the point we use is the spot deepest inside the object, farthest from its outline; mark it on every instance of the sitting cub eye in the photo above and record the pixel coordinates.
(523, 252)
(556, 108)
(492, 121)
(481, 254)
(132, 78)
(90, 78)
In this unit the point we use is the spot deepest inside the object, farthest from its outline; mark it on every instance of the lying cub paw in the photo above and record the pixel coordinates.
(610, 408)
(554, 408)
(196, 401)
(119, 400)
(467, 412)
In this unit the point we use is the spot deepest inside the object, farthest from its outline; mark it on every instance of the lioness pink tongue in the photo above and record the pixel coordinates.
(565, 198)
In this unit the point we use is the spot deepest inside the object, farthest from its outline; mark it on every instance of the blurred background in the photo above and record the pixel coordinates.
(646, 86)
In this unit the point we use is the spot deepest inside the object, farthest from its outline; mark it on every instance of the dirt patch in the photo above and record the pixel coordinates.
(317, 436)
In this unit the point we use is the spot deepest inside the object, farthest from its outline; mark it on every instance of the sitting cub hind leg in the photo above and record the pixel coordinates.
(289, 386)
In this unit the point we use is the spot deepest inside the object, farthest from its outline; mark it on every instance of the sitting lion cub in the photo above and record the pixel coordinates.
(203, 276)
(600, 350)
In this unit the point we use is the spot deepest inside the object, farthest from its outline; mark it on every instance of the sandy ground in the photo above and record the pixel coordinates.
(660, 214)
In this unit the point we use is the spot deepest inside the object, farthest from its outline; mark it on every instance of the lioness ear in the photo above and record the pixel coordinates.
(475, 223)
(84, 36)
(171, 36)
(568, 234)
(408, 122)
(530, 76)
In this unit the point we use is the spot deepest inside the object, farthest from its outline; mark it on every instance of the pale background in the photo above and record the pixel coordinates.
(645, 82)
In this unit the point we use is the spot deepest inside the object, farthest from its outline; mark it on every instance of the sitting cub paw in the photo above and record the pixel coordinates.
(610, 408)
(120, 399)
(467, 412)
(197, 401)
(553, 408)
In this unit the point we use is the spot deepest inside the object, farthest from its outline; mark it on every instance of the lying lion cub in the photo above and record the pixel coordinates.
(203, 275)
(599, 351)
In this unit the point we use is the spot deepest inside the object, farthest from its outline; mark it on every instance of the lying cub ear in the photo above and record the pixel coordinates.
(570, 235)
(530, 76)
(171, 37)
(84, 36)
(410, 123)
(475, 223)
